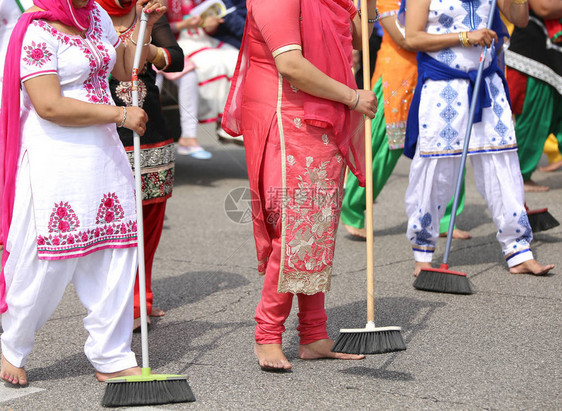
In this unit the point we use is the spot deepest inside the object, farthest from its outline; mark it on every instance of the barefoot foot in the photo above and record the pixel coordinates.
(12, 374)
(323, 349)
(531, 187)
(271, 357)
(359, 233)
(551, 167)
(419, 267)
(531, 267)
(157, 312)
(137, 323)
(458, 234)
(102, 376)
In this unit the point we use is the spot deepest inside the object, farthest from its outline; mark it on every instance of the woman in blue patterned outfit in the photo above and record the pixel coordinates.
(450, 33)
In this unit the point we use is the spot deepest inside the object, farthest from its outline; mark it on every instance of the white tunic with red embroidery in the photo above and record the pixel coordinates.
(81, 181)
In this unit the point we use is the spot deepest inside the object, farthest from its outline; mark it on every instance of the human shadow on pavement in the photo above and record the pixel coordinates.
(227, 163)
(411, 314)
(190, 287)
(168, 341)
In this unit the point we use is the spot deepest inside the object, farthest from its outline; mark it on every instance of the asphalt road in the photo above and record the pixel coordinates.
(499, 348)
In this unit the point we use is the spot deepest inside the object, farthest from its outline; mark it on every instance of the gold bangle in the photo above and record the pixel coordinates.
(159, 60)
(519, 2)
(464, 39)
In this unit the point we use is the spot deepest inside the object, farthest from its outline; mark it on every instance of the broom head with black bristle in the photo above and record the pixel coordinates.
(443, 280)
(541, 220)
(369, 340)
(147, 389)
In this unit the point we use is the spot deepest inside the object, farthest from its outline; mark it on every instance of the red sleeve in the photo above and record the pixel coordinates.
(278, 22)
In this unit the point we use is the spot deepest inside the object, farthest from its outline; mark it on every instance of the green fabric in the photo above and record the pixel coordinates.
(540, 117)
(384, 161)
(446, 220)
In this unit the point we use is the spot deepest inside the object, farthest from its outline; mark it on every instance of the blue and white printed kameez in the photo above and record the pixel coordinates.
(443, 118)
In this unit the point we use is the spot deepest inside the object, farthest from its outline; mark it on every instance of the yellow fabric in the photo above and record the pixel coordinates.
(551, 149)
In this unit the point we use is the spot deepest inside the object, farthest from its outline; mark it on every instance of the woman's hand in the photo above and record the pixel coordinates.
(211, 24)
(192, 22)
(367, 103)
(136, 120)
(482, 37)
(154, 8)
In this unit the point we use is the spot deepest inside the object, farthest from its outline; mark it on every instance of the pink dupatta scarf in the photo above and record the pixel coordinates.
(326, 42)
(10, 128)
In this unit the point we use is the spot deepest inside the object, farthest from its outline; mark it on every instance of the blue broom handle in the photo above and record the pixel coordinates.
(467, 137)
(138, 193)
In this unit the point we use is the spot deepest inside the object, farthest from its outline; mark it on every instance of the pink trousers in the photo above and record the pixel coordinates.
(274, 308)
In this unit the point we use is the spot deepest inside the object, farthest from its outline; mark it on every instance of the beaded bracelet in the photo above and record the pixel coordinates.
(519, 2)
(124, 117)
(145, 44)
(377, 16)
(356, 100)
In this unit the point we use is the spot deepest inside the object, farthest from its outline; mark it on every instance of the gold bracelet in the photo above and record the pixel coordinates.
(159, 60)
(519, 2)
(464, 39)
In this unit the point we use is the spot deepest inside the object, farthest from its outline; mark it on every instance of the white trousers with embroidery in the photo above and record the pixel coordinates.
(103, 280)
(498, 180)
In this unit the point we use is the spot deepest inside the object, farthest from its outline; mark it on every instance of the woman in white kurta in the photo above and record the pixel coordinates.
(73, 214)
(447, 70)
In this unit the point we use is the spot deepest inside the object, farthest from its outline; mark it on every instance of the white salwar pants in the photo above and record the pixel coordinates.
(498, 180)
(103, 280)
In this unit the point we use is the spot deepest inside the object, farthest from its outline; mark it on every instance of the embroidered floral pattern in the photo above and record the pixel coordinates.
(157, 184)
(117, 232)
(109, 210)
(93, 48)
(124, 92)
(63, 219)
(37, 54)
(312, 216)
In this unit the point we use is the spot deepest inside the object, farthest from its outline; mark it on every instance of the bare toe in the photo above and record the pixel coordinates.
(533, 187)
(157, 312)
(531, 267)
(271, 357)
(102, 376)
(323, 349)
(419, 267)
(359, 233)
(12, 374)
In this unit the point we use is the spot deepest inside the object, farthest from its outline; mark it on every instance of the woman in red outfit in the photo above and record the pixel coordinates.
(295, 101)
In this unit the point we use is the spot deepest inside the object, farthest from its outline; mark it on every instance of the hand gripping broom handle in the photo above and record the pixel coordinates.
(138, 193)
(467, 138)
(368, 168)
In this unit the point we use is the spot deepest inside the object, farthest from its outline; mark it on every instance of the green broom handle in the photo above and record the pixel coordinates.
(368, 167)
(138, 193)
(467, 137)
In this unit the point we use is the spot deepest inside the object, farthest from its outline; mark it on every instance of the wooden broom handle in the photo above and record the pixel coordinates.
(368, 166)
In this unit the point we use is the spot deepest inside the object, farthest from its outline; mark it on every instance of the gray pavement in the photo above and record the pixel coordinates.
(497, 349)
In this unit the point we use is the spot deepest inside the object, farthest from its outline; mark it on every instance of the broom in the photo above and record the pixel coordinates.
(147, 388)
(541, 219)
(442, 279)
(369, 340)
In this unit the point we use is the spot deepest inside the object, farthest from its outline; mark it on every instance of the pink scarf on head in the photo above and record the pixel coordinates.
(326, 43)
(10, 138)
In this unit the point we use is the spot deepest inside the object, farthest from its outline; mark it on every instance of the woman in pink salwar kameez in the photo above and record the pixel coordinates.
(295, 101)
